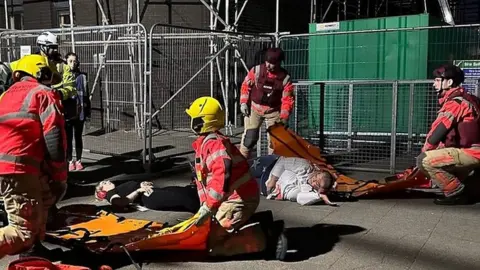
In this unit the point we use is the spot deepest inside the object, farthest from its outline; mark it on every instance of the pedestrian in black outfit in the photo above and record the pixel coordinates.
(77, 110)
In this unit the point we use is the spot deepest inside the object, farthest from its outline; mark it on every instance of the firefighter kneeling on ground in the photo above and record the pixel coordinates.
(266, 94)
(33, 168)
(228, 191)
(452, 147)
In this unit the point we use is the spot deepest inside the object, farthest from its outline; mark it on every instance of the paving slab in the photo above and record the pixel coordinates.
(396, 233)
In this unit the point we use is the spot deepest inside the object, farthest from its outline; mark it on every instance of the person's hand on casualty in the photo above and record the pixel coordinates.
(270, 184)
(146, 187)
(146, 184)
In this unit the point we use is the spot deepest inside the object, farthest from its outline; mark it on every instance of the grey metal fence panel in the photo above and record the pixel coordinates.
(114, 58)
(338, 117)
(187, 63)
(376, 105)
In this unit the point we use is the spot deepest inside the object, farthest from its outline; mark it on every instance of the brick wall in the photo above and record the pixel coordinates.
(85, 12)
(37, 15)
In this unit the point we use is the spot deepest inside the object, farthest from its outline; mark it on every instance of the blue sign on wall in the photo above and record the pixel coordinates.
(471, 68)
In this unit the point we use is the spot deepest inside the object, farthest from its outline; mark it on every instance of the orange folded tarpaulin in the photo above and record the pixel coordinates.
(288, 144)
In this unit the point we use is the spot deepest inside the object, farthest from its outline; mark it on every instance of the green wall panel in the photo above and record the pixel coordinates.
(391, 55)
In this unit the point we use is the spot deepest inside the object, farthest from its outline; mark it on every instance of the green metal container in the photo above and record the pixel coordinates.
(386, 55)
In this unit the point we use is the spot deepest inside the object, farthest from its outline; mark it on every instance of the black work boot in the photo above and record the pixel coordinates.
(460, 199)
(281, 243)
(277, 245)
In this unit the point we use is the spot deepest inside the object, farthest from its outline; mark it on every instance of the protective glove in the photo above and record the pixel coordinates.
(245, 110)
(204, 213)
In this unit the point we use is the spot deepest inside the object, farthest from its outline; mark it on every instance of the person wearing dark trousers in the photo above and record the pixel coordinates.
(77, 110)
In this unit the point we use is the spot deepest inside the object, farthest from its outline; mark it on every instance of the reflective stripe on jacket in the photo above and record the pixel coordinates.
(32, 133)
(223, 173)
(68, 85)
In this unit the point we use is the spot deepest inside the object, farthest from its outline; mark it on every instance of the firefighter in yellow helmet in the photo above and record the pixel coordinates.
(33, 169)
(227, 190)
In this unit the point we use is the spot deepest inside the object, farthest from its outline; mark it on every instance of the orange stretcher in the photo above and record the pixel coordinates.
(106, 232)
(286, 143)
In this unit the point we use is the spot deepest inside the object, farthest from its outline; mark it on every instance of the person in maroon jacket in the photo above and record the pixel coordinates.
(452, 147)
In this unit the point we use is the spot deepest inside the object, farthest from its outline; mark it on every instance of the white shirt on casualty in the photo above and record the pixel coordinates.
(293, 176)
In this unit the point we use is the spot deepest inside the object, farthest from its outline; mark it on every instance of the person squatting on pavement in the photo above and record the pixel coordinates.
(227, 189)
(266, 94)
(33, 168)
(452, 147)
(298, 180)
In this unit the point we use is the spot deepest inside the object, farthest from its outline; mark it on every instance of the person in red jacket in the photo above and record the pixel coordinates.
(452, 147)
(266, 94)
(33, 168)
(226, 188)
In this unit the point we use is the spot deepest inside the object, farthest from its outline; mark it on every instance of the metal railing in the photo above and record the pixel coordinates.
(365, 125)
(360, 95)
(187, 63)
(114, 58)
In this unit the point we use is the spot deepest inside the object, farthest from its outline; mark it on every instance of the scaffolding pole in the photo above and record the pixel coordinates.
(7, 27)
(70, 7)
(232, 59)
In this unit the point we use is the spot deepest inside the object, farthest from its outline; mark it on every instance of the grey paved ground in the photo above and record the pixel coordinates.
(367, 234)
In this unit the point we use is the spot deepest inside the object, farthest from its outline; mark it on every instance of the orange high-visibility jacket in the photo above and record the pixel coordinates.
(222, 172)
(32, 133)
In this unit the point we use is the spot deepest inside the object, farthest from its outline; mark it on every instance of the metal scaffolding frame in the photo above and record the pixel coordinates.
(360, 8)
(230, 28)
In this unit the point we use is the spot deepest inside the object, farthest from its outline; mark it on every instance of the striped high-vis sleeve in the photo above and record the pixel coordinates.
(53, 124)
(288, 99)
(67, 87)
(247, 86)
(448, 115)
(219, 163)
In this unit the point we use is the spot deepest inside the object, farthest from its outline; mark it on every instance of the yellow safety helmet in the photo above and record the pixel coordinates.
(34, 65)
(207, 115)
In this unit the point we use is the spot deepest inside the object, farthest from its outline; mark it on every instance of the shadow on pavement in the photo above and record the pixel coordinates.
(128, 164)
(79, 187)
(316, 240)
(303, 243)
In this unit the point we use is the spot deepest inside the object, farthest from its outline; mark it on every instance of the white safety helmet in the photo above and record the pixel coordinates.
(47, 39)
(48, 44)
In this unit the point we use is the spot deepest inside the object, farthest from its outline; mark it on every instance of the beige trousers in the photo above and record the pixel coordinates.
(27, 199)
(251, 133)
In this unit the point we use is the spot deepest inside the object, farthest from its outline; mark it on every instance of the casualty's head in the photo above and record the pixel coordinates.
(102, 188)
(274, 58)
(35, 66)
(323, 183)
(206, 115)
(49, 46)
(447, 77)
